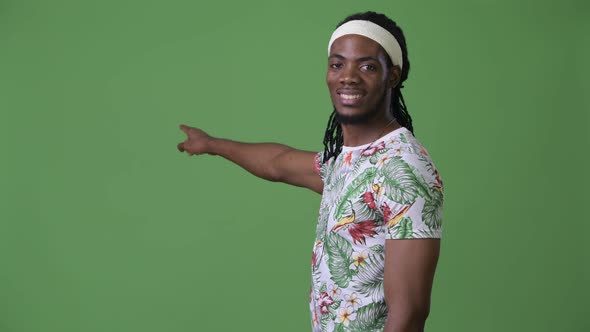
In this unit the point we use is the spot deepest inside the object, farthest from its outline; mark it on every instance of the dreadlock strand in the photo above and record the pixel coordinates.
(332, 138)
(339, 140)
(403, 112)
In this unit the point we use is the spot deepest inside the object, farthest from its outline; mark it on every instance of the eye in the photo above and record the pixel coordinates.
(369, 67)
(335, 65)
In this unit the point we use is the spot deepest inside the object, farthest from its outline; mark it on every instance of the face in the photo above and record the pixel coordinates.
(358, 78)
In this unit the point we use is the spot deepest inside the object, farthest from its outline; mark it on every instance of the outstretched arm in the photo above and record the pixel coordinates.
(269, 161)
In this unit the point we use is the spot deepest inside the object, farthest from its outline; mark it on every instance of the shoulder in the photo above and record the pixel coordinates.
(405, 152)
(411, 189)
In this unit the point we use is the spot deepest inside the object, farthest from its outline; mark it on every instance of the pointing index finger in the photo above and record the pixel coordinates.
(184, 128)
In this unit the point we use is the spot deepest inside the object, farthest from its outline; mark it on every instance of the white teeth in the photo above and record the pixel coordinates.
(350, 97)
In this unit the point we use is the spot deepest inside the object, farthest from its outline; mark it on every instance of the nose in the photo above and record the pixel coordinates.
(349, 75)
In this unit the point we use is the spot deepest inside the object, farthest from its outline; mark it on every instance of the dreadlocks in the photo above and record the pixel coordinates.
(333, 140)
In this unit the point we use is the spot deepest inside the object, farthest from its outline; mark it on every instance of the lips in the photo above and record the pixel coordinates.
(350, 97)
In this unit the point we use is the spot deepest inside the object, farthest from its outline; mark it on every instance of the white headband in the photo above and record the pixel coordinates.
(372, 31)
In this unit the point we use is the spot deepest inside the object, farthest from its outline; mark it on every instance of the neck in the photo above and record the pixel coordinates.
(365, 133)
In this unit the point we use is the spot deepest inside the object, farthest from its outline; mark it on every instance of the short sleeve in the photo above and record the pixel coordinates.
(411, 199)
(319, 166)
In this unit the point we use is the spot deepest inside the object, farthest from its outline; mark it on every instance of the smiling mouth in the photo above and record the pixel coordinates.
(350, 97)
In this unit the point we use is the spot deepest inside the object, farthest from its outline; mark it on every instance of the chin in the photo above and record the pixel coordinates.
(358, 117)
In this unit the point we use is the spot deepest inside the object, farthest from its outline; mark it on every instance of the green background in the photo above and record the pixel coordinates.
(105, 226)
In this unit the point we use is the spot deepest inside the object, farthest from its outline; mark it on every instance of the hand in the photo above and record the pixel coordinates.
(197, 141)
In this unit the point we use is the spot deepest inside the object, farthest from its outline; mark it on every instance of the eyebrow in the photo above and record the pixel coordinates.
(365, 58)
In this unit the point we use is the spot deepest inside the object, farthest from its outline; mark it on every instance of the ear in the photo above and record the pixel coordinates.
(394, 75)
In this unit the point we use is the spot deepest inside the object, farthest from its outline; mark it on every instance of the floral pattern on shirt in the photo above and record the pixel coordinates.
(389, 189)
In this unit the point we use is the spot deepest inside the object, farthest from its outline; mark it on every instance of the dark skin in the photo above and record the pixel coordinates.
(358, 66)
(360, 84)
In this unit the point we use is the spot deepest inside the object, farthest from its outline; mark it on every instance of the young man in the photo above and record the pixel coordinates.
(378, 234)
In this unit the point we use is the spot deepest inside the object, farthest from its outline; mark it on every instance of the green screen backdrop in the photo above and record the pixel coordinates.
(106, 227)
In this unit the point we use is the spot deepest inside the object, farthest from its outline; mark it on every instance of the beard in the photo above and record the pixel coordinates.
(360, 118)
(357, 118)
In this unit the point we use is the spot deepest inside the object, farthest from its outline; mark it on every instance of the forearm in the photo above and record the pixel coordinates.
(256, 158)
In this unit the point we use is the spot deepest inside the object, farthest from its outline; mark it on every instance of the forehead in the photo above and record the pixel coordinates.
(357, 46)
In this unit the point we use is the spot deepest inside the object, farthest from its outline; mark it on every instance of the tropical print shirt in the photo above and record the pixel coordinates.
(389, 189)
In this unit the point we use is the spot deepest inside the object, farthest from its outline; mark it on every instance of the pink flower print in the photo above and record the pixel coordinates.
(373, 148)
(325, 302)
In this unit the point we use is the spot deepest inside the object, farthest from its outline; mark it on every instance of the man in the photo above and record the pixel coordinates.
(378, 234)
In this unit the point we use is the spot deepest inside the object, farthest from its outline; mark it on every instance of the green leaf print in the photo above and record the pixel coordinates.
(323, 169)
(336, 305)
(432, 211)
(403, 230)
(339, 259)
(322, 223)
(403, 138)
(370, 278)
(363, 211)
(373, 159)
(324, 321)
(423, 189)
(333, 309)
(400, 183)
(332, 313)
(334, 186)
(378, 248)
(369, 318)
(339, 327)
(354, 191)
